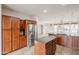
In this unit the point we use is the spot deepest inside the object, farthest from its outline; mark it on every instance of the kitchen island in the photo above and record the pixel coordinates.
(45, 45)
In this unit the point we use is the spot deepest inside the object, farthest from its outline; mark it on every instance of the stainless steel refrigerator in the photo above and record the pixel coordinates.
(31, 34)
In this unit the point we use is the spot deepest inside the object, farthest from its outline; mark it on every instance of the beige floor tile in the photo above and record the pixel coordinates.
(60, 50)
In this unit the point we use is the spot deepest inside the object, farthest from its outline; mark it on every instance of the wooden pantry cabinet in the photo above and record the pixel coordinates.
(6, 22)
(15, 33)
(23, 36)
(10, 34)
(6, 34)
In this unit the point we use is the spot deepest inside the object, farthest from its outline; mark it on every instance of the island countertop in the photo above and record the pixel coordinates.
(46, 39)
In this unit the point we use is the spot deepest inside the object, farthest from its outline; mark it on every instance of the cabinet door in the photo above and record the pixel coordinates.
(15, 33)
(15, 39)
(69, 41)
(15, 23)
(23, 32)
(6, 41)
(6, 22)
(22, 42)
(59, 41)
(78, 42)
(23, 24)
(75, 42)
(39, 48)
(64, 40)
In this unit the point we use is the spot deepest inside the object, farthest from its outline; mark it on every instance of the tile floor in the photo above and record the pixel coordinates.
(23, 51)
(60, 50)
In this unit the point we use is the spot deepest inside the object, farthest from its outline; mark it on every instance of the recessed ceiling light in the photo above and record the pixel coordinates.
(44, 11)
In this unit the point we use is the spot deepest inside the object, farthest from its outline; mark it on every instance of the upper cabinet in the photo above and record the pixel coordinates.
(6, 22)
(22, 24)
(30, 22)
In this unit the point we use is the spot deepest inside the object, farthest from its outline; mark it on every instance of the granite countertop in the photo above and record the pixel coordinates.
(46, 39)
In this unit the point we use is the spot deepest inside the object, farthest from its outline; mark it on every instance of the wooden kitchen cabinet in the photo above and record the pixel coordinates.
(64, 40)
(15, 23)
(23, 36)
(15, 33)
(15, 39)
(39, 48)
(59, 39)
(23, 42)
(75, 42)
(78, 41)
(6, 34)
(6, 22)
(68, 41)
(45, 46)
(6, 41)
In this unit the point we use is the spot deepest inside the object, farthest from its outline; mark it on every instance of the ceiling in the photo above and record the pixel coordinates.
(37, 9)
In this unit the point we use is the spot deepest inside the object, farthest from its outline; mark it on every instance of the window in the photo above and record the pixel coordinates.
(69, 29)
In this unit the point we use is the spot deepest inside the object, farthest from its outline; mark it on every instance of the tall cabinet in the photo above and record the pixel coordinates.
(6, 33)
(15, 33)
(23, 36)
(10, 34)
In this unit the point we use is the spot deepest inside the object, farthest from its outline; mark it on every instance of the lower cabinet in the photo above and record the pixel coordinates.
(75, 42)
(22, 42)
(59, 40)
(78, 42)
(69, 41)
(15, 33)
(64, 41)
(39, 48)
(6, 41)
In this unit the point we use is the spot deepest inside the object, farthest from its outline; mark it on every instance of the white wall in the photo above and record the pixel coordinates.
(0, 28)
